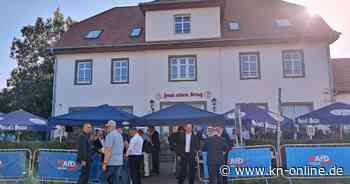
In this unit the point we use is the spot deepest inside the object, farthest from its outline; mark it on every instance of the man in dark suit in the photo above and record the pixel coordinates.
(155, 149)
(85, 151)
(187, 146)
(215, 145)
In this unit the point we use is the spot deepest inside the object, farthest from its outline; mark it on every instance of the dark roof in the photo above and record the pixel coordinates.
(98, 115)
(341, 73)
(179, 114)
(257, 27)
(170, 1)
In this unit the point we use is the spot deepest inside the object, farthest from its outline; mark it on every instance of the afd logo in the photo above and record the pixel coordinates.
(68, 165)
(237, 162)
(320, 160)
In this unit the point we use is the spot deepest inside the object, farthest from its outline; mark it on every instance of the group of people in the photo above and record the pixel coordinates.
(186, 145)
(121, 158)
(121, 153)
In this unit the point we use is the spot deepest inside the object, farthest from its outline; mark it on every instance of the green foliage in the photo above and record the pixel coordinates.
(36, 145)
(30, 85)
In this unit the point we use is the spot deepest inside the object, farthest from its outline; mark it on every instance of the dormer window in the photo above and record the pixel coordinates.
(234, 25)
(182, 24)
(282, 23)
(136, 32)
(93, 34)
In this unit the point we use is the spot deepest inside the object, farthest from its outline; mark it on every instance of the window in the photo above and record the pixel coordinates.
(293, 110)
(293, 63)
(182, 24)
(83, 72)
(136, 32)
(93, 34)
(282, 23)
(249, 65)
(120, 71)
(182, 68)
(234, 26)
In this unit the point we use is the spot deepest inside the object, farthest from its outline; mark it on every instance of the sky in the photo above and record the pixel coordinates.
(14, 14)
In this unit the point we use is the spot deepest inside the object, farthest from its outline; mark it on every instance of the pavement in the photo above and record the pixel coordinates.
(165, 176)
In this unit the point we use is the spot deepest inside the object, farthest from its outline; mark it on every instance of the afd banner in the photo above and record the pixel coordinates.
(244, 163)
(317, 161)
(62, 165)
(13, 164)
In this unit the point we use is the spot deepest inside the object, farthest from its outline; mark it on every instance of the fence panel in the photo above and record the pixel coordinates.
(14, 164)
(243, 163)
(61, 165)
(317, 160)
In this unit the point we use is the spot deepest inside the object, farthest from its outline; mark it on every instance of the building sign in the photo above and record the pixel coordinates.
(169, 95)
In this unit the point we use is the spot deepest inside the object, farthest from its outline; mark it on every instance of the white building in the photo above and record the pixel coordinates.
(193, 51)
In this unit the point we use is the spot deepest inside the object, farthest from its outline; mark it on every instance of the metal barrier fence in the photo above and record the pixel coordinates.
(58, 165)
(242, 157)
(14, 164)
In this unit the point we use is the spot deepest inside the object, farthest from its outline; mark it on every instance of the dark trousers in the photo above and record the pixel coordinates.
(134, 166)
(111, 175)
(85, 174)
(214, 174)
(187, 168)
(155, 162)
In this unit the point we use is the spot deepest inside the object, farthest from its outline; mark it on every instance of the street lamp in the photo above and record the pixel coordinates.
(213, 103)
(152, 103)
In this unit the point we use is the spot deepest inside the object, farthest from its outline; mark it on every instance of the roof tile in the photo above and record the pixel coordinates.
(256, 22)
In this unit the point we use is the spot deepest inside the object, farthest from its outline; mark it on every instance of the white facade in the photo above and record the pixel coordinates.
(205, 23)
(344, 98)
(218, 75)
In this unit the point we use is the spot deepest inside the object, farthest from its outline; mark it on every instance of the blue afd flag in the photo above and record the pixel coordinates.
(62, 165)
(306, 161)
(244, 162)
(13, 164)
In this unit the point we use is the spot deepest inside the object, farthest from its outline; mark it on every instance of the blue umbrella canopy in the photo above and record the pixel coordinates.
(22, 121)
(253, 115)
(95, 115)
(336, 113)
(179, 113)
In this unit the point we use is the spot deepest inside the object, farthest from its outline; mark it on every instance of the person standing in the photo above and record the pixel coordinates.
(172, 144)
(85, 152)
(215, 145)
(98, 143)
(134, 154)
(125, 177)
(187, 147)
(113, 161)
(156, 149)
(146, 149)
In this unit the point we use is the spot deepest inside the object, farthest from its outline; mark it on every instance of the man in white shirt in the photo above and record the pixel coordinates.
(134, 154)
(187, 147)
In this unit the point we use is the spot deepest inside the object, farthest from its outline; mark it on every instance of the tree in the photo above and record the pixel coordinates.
(30, 84)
